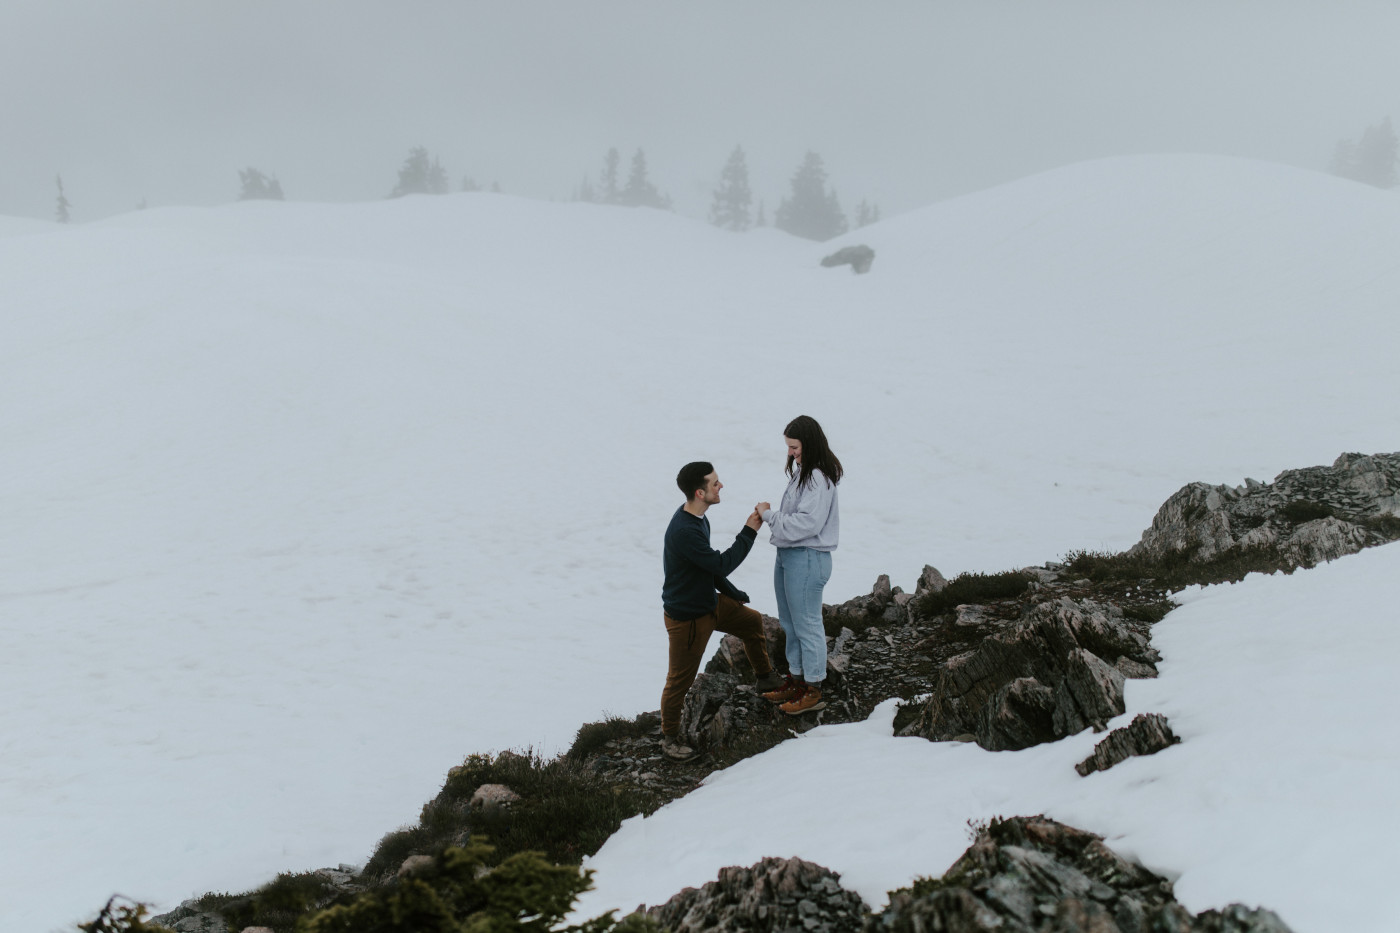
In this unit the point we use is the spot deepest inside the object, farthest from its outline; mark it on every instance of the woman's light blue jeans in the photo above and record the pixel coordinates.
(798, 577)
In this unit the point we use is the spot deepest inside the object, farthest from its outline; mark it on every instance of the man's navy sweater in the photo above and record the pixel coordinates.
(694, 570)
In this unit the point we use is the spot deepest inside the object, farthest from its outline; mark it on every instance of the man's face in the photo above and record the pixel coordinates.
(710, 494)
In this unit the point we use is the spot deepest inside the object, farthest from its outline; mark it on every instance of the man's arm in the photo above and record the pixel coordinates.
(690, 545)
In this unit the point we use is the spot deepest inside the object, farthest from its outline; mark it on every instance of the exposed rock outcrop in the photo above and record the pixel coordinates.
(1057, 671)
(858, 258)
(776, 894)
(733, 660)
(720, 707)
(1310, 515)
(1147, 734)
(1034, 875)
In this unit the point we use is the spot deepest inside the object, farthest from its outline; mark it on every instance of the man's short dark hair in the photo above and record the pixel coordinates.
(692, 477)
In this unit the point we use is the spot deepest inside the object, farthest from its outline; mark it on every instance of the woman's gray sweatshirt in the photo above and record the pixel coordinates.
(807, 517)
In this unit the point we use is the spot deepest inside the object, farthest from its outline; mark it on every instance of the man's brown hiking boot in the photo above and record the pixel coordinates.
(791, 689)
(808, 701)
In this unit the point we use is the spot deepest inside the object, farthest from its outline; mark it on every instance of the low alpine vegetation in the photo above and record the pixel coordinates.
(973, 588)
(564, 812)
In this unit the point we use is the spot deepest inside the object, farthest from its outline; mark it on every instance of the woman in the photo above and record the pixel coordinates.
(805, 527)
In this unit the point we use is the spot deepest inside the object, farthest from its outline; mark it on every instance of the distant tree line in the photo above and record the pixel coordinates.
(811, 209)
(1372, 159)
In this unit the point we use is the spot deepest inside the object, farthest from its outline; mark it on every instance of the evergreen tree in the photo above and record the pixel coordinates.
(1343, 162)
(258, 187)
(62, 205)
(585, 192)
(1373, 160)
(867, 214)
(608, 178)
(730, 208)
(639, 191)
(811, 212)
(469, 184)
(419, 175)
(1376, 156)
(762, 220)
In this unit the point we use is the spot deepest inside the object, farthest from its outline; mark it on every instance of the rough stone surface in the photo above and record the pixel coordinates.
(858, 258)
(188, 918)
(774, 895)
(414, 864)
(1147, 734)
(1051, 674)
(884, 604)
(1312, 515)
(1034, 875)
(493, 799)
(734, 661)
(719, 708)
(930, 581)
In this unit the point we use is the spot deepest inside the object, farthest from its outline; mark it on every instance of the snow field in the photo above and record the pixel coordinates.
(304, 503)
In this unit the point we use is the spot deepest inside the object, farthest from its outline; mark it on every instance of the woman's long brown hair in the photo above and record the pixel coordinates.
(816, 454)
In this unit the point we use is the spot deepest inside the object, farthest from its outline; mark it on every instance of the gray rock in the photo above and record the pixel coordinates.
(1034, 875)
(930, 581)
(492, 800)
(188, 918)
(775, 894)
(730, 658)
(1204, 521)
(1147, 734)
(858, 258)
(1053, 673)
(414, 864)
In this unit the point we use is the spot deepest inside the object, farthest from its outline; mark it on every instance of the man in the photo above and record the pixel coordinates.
(699, 599)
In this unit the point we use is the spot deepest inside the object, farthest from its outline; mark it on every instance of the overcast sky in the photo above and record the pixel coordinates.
(908, 103)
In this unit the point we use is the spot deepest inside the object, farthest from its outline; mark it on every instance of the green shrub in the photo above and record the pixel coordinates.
(461, 893)
(565, 812)
(278, 904)
(1153, 612)
(1305, 510)
(1176, 570)
(594, 735)
(129, 917)
(973, 588)
(1386, 526)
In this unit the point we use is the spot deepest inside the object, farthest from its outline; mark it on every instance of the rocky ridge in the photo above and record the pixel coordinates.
(1310, 515)
(1006, 672)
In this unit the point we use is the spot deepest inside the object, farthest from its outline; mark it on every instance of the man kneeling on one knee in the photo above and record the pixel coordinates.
(699, 599)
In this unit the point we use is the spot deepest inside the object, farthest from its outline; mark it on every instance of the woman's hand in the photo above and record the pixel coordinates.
(762, 507)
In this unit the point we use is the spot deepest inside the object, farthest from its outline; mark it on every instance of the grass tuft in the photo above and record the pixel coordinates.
(1176, 571)
(1299, 511)
(973, 588)
(594, 735)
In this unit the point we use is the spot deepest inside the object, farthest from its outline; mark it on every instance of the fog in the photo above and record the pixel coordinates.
(163, 101)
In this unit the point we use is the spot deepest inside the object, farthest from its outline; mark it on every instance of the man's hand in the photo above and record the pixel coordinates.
(755, 521)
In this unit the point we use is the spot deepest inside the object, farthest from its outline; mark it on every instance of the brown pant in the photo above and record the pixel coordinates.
(688, 640)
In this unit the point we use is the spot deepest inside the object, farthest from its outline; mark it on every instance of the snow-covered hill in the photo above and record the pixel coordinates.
(305, 502)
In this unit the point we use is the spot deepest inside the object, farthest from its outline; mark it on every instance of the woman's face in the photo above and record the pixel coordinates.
(794, 449)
